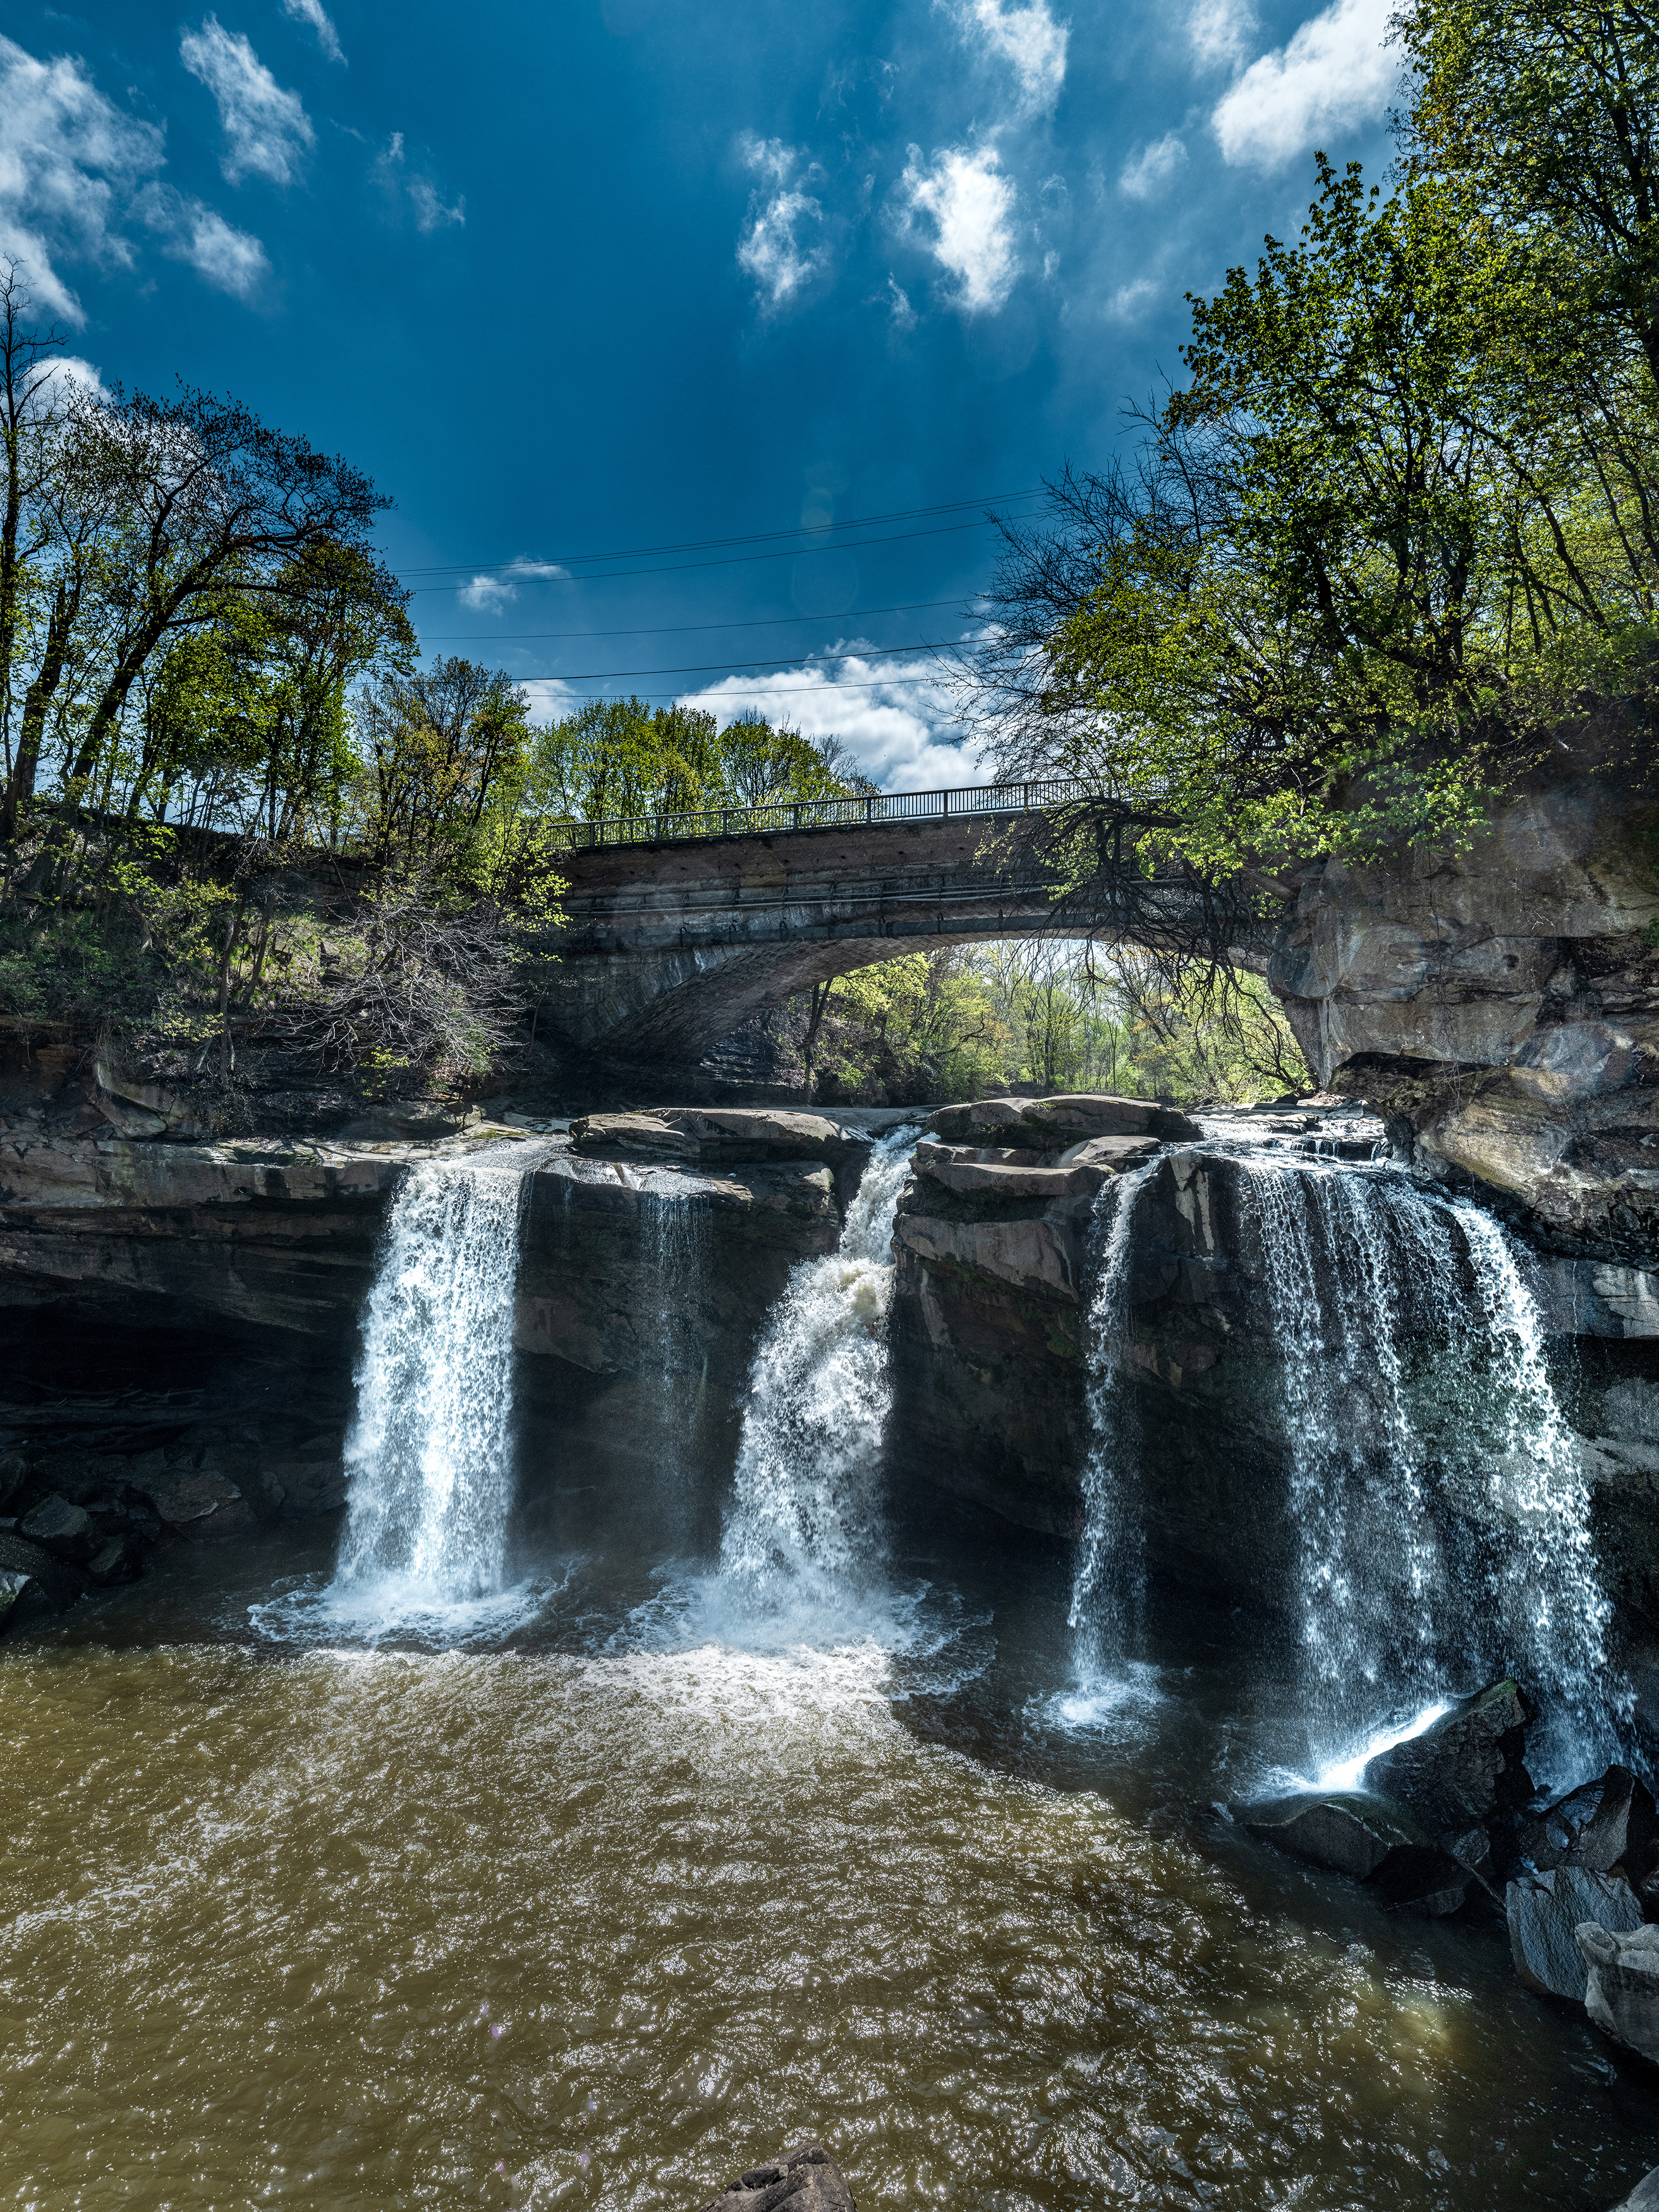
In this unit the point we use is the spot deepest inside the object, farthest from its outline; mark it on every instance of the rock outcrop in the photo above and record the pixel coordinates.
(1501, 1005)
(1621, 1993)
(806, 2177)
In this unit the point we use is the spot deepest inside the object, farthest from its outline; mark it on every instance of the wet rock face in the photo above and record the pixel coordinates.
(1361, 1834)
(1502, 1008)
(1546, 1914)
(1621, 1991)
(805, 2177)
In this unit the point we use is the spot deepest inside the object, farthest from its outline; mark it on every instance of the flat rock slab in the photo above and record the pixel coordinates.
(1545, 1912)
(688, 1133)
(806, 2177)
(1644, 2197)
(1053, 1124)
(1355, 1833)
(1621, 1992)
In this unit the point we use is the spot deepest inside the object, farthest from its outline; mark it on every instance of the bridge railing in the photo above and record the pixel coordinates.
(978, 800)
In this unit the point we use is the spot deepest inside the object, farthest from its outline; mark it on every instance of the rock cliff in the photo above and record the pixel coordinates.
(1500, 1006)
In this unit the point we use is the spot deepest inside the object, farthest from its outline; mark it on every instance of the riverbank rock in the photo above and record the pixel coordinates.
(1644, 2197)
(1051, 1125)
(1610, 1825)
(1621, 1992)
(1546, 1912)
(1464, 1778)
(709, 1136)
(806, 2177)
(1356, 1833)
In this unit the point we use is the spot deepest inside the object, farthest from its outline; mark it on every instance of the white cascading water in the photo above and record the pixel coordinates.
(1353, 1265)
(803, 1528)
(430, 1456)
(1106, 1586)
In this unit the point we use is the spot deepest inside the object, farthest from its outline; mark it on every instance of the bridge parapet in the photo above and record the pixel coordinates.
(983, 802)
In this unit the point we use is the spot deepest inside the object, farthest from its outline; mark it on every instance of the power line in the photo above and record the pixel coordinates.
(781, 691)
(684, 630)
(750, 537)
(710, 667)
(730, 560)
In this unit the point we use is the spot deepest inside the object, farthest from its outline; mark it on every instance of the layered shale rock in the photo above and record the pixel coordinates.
(1501, 1005)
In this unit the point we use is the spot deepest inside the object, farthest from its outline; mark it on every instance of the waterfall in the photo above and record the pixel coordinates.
(1106, 1586)
(674, 1225)
(429, 1454)
(804, 1518)
(1382, 1438)
(1370, 1557)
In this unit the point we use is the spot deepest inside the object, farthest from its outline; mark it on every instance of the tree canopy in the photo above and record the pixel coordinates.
(1398, 522)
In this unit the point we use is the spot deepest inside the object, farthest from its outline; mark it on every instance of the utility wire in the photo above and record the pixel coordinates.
(684, 630)
(731, 560)
(752, 537)
(712, 667)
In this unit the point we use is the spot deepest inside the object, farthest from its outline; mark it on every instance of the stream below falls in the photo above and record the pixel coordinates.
(373, 1872)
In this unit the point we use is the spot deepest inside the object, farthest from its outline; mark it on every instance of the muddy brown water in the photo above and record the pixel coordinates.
(600, 1906)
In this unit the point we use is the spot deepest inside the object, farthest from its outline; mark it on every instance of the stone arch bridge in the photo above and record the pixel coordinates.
(681, 929)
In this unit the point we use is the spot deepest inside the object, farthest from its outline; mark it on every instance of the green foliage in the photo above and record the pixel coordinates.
(1043, 1016)
(1401, 521)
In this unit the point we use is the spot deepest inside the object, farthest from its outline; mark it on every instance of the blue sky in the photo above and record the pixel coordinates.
(603, 275)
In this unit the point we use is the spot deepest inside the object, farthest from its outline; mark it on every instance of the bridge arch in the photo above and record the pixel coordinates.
(670, 946)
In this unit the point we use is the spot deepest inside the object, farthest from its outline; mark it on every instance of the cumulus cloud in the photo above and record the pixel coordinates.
(69, 160)
(1217, 31)
(1336, 71)
(313, 12)
(431, 211)
(267, 131)
(784, 245)
(1027, 38)
(1148, 172)
(489, 594)
(188, 230)
(897, 729)
(969, 204)
(75, 169)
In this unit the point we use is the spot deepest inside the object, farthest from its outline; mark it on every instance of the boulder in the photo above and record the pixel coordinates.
(1353, 1833)
(1644, 2197)
(58, 1583)
(1609, 1826)
(120, 1560)
(1621, 1991)
(1054, 1124)
(64, 1528)
(1545, 1912)
(196, 1502)
(678, 1135)
(24, 1602)
(806, 2177)
(1466, 1770)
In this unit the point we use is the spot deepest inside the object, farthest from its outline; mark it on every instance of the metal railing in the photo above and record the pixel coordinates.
(978, 801)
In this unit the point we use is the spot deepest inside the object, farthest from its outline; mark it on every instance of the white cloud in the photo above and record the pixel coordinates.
(898, 304)
(267, 131)
(769, 158)
(1336, 71)
(69, 160)
(65, 374)
(897, 729)
(229, 259)
(969, 203)
(784, 246)
(1218, 30)
(75, 169)
(1130, 301)
(1151, 169)
(430, 211)
(489, 594)
(550, 699)
(314, 13)
(1027, 38)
